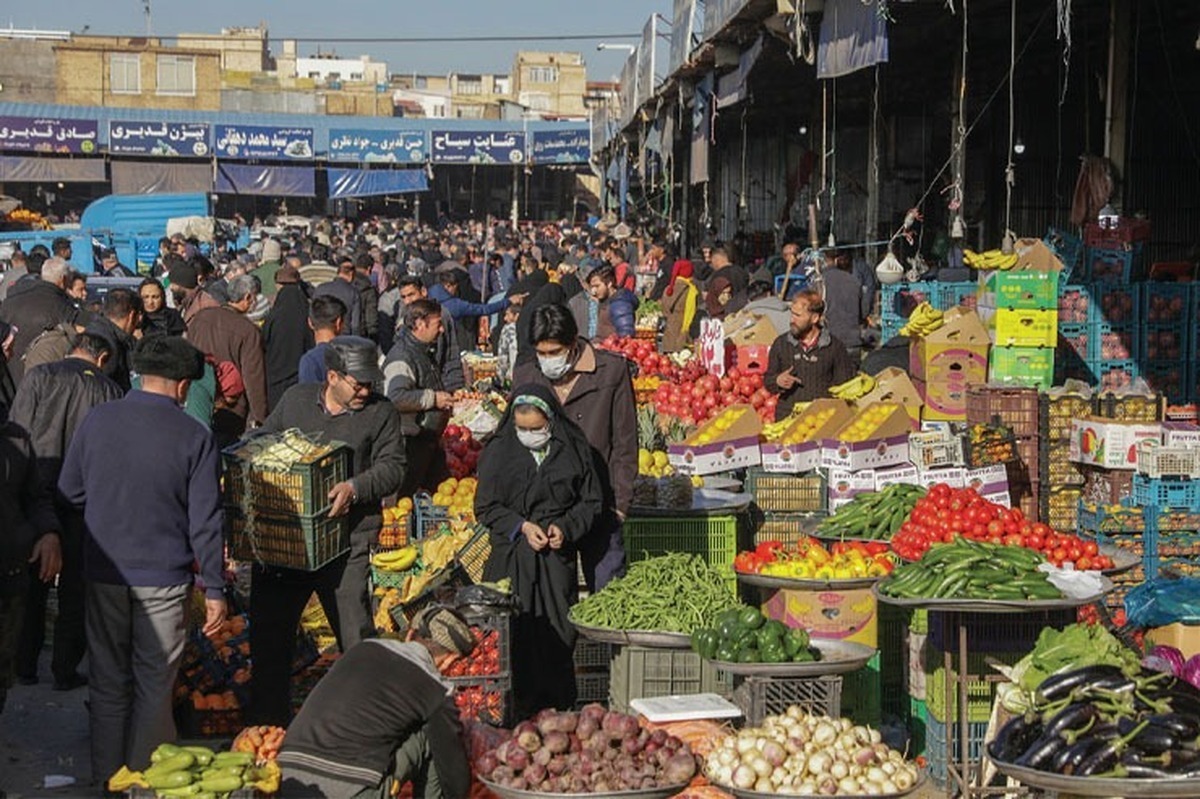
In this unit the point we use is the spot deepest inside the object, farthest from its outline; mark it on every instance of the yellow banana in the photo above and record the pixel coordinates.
(396, 560)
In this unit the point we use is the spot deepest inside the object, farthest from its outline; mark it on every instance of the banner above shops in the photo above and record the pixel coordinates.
(570, 146)
(159, 138)
(719, 12)
(264, 141)
(49, 135)
(377, 146)
(477, 147)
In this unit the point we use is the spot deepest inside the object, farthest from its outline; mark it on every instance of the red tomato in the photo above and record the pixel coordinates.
(995, 527)
(1035, 541)
(1015, 540)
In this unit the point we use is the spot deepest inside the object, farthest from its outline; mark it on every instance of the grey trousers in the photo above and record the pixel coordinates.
(135, 642)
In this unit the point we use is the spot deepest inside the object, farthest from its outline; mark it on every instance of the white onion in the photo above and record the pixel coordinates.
(819, 763)
(825, 734)
(761, 767)
(848, 785)
(876, 736)
(871, 789)
(763, 785)
(876, 774)
(888, 767)
(744, 745)
(889, 787)
(744, 777)
(727, 757)
(903, 779)
(839, 770)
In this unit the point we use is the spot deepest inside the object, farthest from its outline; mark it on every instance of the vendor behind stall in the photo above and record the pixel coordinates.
(539, 494)
(382, 715)
(806, 361)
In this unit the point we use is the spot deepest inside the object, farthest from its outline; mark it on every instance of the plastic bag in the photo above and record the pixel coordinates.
(1158, 603)
(483, 598)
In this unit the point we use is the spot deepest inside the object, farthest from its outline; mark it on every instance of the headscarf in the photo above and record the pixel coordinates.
(562, 429)
(715, 286)
(681, 268)
(526, 400)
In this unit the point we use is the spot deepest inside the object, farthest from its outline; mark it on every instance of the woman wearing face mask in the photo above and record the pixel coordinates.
(539, 494)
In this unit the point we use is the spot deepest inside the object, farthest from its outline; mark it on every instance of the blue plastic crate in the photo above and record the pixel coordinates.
(1077, 304)
(1113, 375)
(1115, 342)
(1166, 492)
(937, 747)
(947, 295)
(897, 301)
(1166, 342)
(1078, 338)
(1169, 377)
(794, 283)
(1113, 266)
(1165, 303)
(1069, 249)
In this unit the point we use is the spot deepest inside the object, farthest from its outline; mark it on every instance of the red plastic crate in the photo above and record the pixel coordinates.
(1126, 232)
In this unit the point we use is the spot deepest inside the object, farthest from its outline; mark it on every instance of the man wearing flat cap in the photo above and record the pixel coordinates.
(189, 298)
(346, 407)
(146, 476)
(384, 716)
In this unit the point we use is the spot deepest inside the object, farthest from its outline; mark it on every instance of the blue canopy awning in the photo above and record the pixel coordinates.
(370, 182)
(288, 181)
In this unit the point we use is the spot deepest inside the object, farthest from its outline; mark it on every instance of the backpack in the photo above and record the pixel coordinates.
(230, 386)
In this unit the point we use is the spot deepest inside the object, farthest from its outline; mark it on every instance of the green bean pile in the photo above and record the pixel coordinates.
(673, 593)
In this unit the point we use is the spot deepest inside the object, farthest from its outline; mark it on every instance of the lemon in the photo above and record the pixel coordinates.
(645, 460)
(660, 458)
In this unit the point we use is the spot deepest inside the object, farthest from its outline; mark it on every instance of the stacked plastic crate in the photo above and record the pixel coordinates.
(1114, 254)
(1115, 335)
(1077, 315)
(1017, 409)
(1168, 339)
(898, 299)
(1061, 477)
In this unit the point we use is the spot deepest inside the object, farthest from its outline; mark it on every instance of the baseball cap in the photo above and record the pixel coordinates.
(355, 356)
(444, 627)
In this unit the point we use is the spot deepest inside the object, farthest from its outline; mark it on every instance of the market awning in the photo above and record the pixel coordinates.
(284, 181)
(161, 177)
(370, 182)
(37, 169)
(732, 87)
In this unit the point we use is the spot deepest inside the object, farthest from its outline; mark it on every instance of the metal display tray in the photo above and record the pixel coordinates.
(837, 657)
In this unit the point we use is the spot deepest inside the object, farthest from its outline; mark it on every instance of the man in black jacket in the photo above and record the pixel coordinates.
(347, 408)
(33, 306)
(384, 716)
(806, 361)
(49, 406)
(413, 382)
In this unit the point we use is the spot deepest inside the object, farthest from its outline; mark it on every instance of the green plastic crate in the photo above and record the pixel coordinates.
(297, 542)
(861, 694)
(981, 688)
(713, 538)
(641, 673)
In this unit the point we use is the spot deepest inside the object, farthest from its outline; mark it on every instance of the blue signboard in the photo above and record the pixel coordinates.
(263, 141)
(477, 147)
(571, 146)
(49, 135)
(377, 146)
(158, 138)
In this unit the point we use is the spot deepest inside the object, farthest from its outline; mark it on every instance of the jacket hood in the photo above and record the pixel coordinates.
(32, 284)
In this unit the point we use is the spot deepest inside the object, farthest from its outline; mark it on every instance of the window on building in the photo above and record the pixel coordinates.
(469, 111)
(470, 84)
(356, 76)
(125, 73)
(538, 101)
(421, 82)
(177, 74)
(543, 74)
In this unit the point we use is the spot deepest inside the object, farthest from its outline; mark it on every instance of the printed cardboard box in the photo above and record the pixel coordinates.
(953, 476)
(803, 456)
(839, 615)
(1108, 442)
(1032, 283)
(719, 445)
(1020, 327)
(843, 485)
(887, 446)
(988, 479)
(1180, 434)
(905, 474)
(894, 385)
(948, 360)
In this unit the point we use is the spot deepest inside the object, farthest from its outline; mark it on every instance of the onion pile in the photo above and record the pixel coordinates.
(592, 751)
(797, 754)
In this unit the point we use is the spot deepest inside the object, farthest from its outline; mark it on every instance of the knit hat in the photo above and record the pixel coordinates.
(184, 275)
(444, 627)
(169, 357)
(681, 268)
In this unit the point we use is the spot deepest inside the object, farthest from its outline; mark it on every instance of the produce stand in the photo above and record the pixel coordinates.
(960, 765)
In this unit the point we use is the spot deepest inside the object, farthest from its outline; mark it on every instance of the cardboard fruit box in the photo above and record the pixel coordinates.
(885, 444)
(894, 385)
(1031, 284)
(794, 456)
(727, 441)
(947, 361)
(843, 485)
(1108, 442)
(1020, 327)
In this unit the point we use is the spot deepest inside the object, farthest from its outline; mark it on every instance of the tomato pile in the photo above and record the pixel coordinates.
(484, 661)
(946, 513)
(649, 360)
(462, 450)
(810, 560)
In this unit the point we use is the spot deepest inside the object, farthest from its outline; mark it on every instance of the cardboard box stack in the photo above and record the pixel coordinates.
(946, 362)
(1019, 306)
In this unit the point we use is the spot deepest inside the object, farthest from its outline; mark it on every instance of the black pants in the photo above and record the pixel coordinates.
(425, 465)
(70, 640)
(277, 600)
(544, 676)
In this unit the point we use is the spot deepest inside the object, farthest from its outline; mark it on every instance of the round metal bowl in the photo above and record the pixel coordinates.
(993, 605)
(651, 638)
(805, 584)
(745, 794)
(837, 657)
(1100, 786)
(645, 793)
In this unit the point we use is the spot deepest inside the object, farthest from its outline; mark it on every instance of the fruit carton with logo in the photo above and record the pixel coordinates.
(843, 485)
(988, 480)
(1180, 434)
(799, 448)
(727, 441)
(953, 476)
(894, 385)
(1108, 442)
(1021, 327)
(1032, 283)
(875, 438)
(948, 360)
(905, 474)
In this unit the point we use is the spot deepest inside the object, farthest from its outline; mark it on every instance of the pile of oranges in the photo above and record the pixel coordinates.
(458, 496)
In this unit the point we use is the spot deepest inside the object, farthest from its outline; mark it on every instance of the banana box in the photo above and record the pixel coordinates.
(947, 361)
(875, 438)
(727, 441)
(832, 615)
(1108, 442)
(799, 448)
(1032, 284)
(894, 385)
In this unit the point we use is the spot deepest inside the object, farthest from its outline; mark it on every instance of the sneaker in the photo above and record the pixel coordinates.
(71, 683)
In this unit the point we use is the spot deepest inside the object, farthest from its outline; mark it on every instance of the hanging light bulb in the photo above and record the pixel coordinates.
(1019, 146)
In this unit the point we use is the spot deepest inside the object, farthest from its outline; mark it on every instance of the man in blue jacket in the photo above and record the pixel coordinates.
(465, 314)
(147, 478)
(605, 308)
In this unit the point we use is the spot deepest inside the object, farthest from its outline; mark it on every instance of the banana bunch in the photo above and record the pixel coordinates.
(858, 386)
(395, 560)
(775, 430)
(921, 322)
(992, 259)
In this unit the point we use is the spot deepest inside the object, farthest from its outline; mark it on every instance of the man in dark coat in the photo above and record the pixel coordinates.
(286, 333)
(342, 287)
(596, 391)
(34, 306)
(806, 361)
(413, 382)
(49, 406)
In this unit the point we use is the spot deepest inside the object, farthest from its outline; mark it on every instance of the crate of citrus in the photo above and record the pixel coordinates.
(458, 496)
(397, 524)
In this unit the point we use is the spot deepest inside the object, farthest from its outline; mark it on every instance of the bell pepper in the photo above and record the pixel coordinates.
(749, 656)
(767, 550)
(751, 618)
(774, 654)
(798, 637)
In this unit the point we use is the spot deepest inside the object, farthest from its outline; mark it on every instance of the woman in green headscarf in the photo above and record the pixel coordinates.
(539, 493)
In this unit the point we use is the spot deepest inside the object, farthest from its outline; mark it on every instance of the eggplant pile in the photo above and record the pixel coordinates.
(1102, 721)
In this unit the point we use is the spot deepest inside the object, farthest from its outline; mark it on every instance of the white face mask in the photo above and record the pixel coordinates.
(534, 439)
(555, 366)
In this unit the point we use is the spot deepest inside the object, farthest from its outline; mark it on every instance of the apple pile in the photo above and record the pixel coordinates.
(649, 360)
(696, 401)
(462, 450)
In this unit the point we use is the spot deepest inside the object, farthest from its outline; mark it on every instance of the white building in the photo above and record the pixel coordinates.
(330, 68)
